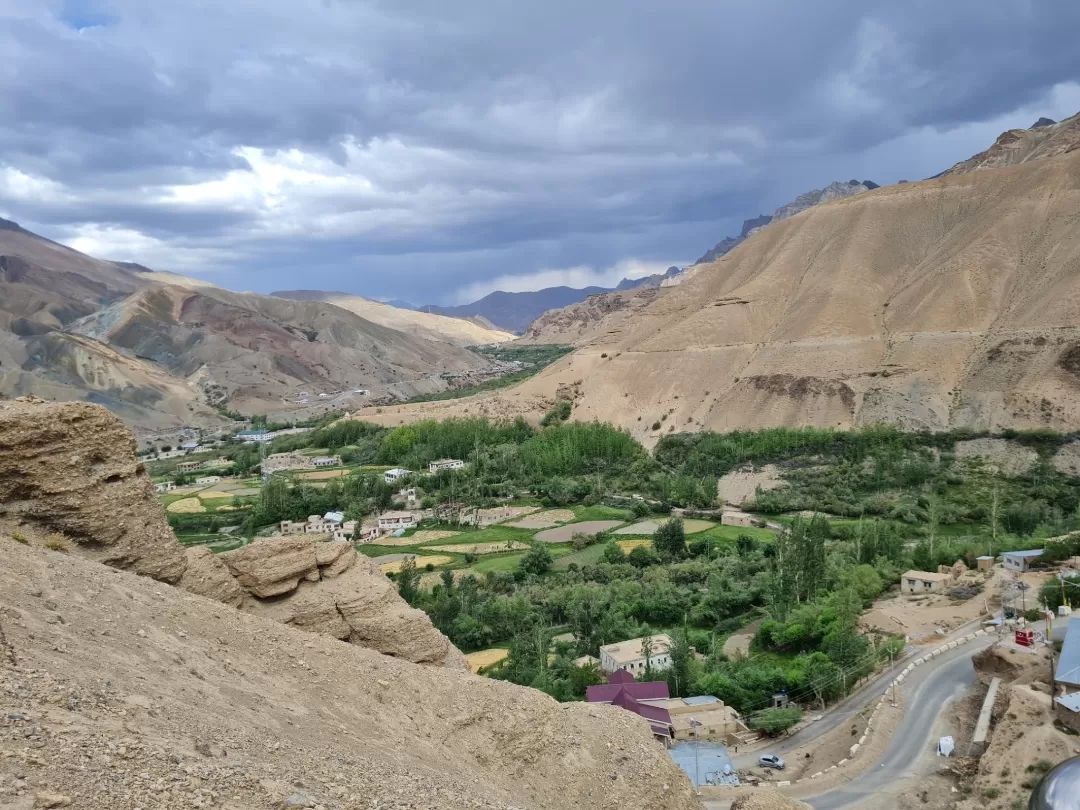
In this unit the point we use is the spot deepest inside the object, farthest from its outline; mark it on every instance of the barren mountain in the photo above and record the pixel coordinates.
(1045, 139)
(597, 317)
(833, 191)
(949, 302)
(251, 350)
(438, 328)
(161, 349)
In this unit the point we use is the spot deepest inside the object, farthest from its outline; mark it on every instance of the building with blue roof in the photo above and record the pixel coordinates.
(1020, 561)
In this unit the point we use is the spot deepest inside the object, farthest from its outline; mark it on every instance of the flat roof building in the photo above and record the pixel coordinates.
(1067, 674)
(924, 582)
(630, 656)
(1020, 560)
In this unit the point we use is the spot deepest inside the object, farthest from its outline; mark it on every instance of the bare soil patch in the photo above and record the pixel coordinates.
(428, 535)
(433, 559)
(479, 548)
(738, 486)
(564, 534)
(323, 475)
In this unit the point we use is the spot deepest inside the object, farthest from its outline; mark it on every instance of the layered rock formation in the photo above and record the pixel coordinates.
(69, 470)
(117, 692)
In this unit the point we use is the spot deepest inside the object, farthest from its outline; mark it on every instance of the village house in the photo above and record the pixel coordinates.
(924, 582)
(984, 563)
(712, 718)
(446, 464)
(326, 461)
(164, 486)
(289, 527)
(390, 476)
(392, 521)
(624, 691)
(190, 466)
(345, 531)
(254, 436)
(1020, 561)
(630, 656)
(408, 497)
(208, 479)
(190, 446)
(369, 531)
(736, 519)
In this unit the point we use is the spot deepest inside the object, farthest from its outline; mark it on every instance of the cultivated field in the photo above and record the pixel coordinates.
(434, 559)
(186, 506)
(479, 548)
(485, 658)
(564, 534)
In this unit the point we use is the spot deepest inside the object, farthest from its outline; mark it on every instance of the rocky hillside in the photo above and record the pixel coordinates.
(121, 691)
(162, 350)
(949, 302)
(1044, 140)
(252, 350)
(69, 479)
(437, 328)
(597, 317)
(515, 311)
(818, 196)
(118, 692)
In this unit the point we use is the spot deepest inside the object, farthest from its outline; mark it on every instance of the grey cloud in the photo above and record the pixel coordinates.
(493, 137)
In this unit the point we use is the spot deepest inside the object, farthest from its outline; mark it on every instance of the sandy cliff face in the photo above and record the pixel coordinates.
(117, 692)
(949, 302)
(68, 475)
(71, 470)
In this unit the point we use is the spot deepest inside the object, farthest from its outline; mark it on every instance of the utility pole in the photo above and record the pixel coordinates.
(892, 661)
(695, 725)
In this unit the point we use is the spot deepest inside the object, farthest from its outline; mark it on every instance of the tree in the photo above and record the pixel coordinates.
(642, 557)
(640, 509)
(670, 538)
(774, 721)
(538, 559)
(408, 580)
(613, 553)
(679, 675)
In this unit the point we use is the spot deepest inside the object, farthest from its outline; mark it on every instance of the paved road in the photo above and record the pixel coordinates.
(927, 691)
(911, 740)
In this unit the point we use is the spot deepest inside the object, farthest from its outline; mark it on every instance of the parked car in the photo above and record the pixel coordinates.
(771, 761)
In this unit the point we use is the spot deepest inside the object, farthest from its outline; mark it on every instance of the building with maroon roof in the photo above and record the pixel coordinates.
(623, 691)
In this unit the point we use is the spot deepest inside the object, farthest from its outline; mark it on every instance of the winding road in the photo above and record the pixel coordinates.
(927, 691)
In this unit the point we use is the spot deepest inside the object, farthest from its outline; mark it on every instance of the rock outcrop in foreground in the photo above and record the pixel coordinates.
(70, 470)
(118, 692)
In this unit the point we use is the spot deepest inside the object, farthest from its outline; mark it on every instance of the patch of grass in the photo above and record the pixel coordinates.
(601, 512)
(729, 534)
(991, 793)
(19, 537)
(587, 556)
(501, 563)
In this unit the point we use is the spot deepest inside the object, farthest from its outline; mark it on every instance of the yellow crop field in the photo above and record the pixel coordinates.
(479, 548)
(629, 545)
(186, 506)
(485, 658)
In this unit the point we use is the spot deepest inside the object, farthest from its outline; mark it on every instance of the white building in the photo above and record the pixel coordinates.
(345, 531)
(630, 656)
(334, 517)
(392, 521)
(209, 479)
(254, 436)
(390, 476)
(164, 486)
(446, 464)
(326, 461)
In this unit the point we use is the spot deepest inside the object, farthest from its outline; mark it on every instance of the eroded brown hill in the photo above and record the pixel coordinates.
(119, 692)
(949, 302)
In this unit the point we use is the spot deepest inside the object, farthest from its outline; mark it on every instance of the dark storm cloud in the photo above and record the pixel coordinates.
(388, 146)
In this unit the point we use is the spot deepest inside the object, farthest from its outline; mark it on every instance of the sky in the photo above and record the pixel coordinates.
(436, 150)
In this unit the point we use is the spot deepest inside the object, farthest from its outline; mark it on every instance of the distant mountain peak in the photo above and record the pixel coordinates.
(817, 196)
(1043, 122)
